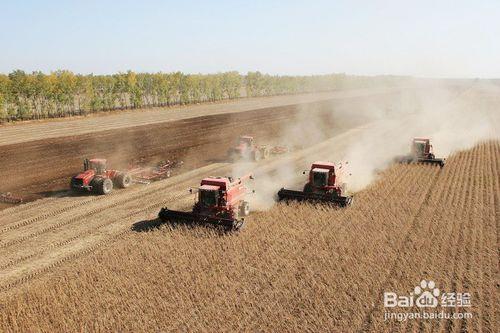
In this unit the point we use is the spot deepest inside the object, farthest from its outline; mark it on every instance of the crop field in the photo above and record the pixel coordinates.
(294, 267)
(105, 263)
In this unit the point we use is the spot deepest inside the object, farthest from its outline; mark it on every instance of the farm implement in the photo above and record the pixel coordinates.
(221, 203)
(146, 175)
(421, 152)
(10, 198)
(322, 186)
(246, 149)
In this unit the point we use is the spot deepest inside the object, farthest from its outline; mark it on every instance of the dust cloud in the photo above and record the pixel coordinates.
(369, 133)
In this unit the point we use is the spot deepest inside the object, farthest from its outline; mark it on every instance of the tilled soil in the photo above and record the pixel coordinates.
(42, 168)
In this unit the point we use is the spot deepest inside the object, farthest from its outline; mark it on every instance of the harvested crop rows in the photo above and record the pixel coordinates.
(293, 268)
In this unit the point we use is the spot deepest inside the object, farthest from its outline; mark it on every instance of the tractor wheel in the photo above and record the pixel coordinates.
(265, 153)
(244, 208)
(308, 188)
(72, 185)
(123, 180)
(102, 185)
(256, 155)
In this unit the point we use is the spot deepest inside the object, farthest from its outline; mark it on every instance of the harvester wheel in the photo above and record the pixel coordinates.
(245, 208)
(102, 185)
(123, 180)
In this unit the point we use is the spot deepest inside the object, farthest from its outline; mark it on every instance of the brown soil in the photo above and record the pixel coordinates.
(43, 168)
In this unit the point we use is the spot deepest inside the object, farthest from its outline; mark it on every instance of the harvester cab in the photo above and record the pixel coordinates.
(422, 148)
(209, 196)
(220, 202)
(322, 186)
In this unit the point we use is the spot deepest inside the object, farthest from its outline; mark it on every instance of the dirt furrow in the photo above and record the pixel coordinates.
(85, 209)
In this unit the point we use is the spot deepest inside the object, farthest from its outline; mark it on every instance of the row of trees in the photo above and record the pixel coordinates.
(62, 93)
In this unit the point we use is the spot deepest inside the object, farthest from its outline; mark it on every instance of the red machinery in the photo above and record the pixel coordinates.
(220, 203)
(421, 152)
(96, 178)
(323, 186)
(10, 198)
(247, 149)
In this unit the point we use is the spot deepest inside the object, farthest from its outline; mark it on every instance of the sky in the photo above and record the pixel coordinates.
(438, 38)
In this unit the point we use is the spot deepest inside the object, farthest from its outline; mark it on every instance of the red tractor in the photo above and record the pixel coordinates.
(220, 203)
(97, 179)
(323, 186)
(421, 152)
(246, 149)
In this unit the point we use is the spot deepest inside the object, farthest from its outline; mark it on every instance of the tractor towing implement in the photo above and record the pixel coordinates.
(98, 179)
(322, 186)
(246, 149)
(421, 152)
(221, 202)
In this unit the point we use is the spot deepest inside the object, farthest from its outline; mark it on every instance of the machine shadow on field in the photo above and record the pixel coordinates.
(157, 224)
(147, 225)
(63, 193)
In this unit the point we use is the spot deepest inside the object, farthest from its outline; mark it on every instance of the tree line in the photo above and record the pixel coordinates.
(36, 95)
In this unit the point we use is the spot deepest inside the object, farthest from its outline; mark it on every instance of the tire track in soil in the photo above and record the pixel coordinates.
(151, 192)
(54, 213)
(413, 225)
(177, 195)
(165, 193)
(106, 204)
(98, 245)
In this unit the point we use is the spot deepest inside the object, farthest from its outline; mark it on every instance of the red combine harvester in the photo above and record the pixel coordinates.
(421, 152)
(322, 186)
(220, 203)
(246, 149)
(97, 179)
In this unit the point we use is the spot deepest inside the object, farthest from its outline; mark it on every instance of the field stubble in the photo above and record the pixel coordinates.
(294, 267)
